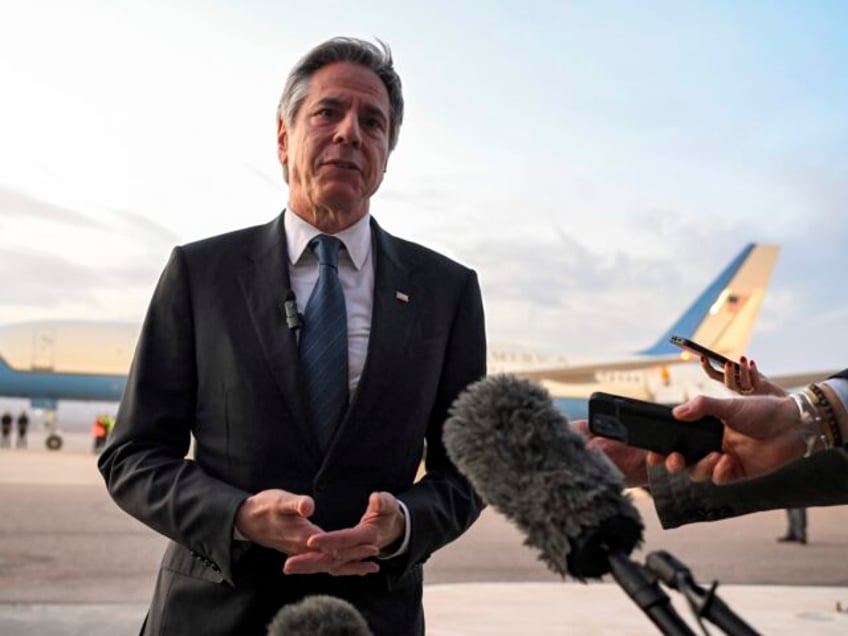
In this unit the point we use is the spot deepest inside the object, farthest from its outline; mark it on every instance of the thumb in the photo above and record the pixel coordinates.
(698, 407)
(381, 503)
(300, 505)
(377, 503)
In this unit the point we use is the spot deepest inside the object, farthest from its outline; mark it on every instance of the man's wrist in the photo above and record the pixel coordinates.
(401, 544)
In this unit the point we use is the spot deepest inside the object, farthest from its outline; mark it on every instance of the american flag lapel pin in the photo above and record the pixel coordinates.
(399, 295)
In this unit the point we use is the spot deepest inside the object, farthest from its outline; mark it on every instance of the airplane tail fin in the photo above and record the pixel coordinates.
(723, 316)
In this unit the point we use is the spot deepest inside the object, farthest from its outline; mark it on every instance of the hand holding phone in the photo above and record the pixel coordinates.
(652, 427)
(717, 361)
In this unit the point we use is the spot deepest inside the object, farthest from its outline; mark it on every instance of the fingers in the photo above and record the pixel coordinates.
(321, 562)
(346, 552)
(727, 471)
(337, 541)
(711, 371)
(655, 459)
(380, 503)
(360, 568)
(675, 463)
(300, 505)
(381, 523)
(277, 519)
(581, 427)
(703, 469)
(757, 381)
(742, 377)
(762, 385)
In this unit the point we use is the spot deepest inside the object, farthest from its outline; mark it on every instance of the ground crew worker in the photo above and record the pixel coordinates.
(7, 430)
(23, 424)
(99, 431)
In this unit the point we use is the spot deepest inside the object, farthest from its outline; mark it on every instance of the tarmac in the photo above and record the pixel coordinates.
(39, 594)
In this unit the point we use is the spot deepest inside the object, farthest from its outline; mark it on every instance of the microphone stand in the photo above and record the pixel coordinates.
(703, 602)
(647, 594)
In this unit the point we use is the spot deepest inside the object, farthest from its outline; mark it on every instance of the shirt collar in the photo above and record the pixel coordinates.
(356, 239)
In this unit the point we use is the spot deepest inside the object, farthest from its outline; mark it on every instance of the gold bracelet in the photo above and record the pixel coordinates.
(831, 426)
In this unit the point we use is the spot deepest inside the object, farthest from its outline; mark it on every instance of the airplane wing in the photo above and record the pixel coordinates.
(793, 381)
(584, 374)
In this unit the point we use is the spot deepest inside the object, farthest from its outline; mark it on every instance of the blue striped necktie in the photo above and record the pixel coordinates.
(323, 342)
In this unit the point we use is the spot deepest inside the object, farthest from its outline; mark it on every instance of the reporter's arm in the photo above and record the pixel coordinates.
(819, 480)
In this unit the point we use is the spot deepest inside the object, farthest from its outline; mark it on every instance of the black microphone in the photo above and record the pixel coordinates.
(294, 320)
(706, 603)
(319, 615)
(507, 437)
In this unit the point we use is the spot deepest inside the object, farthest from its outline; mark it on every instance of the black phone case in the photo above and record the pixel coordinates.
(651, 426)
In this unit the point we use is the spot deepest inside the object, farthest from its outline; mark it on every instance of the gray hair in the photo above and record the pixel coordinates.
(343, 49)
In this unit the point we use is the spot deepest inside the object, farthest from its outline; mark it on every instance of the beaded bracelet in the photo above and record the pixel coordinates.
(830, 425)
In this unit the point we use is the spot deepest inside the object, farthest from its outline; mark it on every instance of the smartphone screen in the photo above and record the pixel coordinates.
(716, 359)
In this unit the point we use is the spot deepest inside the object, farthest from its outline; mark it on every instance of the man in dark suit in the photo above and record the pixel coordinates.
(278, 504)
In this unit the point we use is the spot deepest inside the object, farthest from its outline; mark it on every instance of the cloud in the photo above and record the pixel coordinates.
(143, 228)
(15, 204)
(32, 278)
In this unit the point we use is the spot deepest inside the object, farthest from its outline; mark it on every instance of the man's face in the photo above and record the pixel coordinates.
(337, 148)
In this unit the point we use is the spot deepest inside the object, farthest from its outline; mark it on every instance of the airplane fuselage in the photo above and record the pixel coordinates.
(51, 386)
(48, 361)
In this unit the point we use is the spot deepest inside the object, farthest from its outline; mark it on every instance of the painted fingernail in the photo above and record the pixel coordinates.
(742, 359)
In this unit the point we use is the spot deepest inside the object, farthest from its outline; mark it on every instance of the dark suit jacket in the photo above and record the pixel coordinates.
(819, 480)
(215, 360)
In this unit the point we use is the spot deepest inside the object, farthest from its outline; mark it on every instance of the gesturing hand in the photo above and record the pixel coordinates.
(278, 519)
(344, 552)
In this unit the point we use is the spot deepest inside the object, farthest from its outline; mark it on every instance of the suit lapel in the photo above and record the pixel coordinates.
(264, 283)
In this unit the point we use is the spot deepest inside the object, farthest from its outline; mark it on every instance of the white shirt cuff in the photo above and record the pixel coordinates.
(404, 546)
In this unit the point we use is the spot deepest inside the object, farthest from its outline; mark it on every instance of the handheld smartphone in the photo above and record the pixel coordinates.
(716, 359)
(651, 426)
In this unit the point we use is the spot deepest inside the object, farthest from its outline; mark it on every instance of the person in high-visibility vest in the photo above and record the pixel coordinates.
(100, 431)
(109, 423)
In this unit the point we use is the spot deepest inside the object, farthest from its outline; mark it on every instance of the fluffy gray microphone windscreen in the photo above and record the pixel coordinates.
(319, 615)
(507, 437)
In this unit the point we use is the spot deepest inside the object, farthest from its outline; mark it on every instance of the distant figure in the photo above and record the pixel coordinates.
(99, 432)
(109, 423)
(7, 430)
(23, 425)
(796, 530)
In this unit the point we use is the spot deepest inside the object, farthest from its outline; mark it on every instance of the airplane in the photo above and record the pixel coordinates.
(49, 361)
(721, 318)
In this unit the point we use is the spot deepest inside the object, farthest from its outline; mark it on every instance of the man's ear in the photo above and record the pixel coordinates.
(282, 141)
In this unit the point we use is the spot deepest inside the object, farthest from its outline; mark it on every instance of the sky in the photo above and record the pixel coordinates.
(597, 163)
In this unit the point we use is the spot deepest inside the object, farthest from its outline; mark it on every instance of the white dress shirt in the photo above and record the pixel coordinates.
(356, 274)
